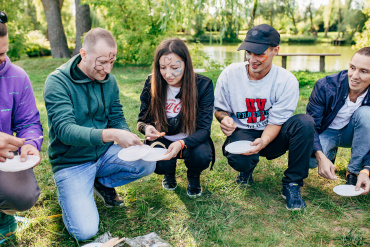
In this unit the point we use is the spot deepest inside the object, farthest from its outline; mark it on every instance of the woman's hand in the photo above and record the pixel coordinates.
(174, 149)
(151, 134)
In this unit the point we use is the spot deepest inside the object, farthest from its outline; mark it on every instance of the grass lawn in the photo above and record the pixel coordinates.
(225, 215)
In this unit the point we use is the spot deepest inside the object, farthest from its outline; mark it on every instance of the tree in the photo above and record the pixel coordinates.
(56, 35)
(83, 23)
(327, 16)
(290, 9)
(253, 14)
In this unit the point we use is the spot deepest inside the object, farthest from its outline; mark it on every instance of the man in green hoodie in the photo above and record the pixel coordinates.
(85, 118)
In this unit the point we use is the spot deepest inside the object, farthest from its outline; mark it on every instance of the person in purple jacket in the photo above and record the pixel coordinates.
(19, 191)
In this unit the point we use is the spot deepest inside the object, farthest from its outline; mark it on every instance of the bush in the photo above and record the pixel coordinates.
(299, 39)
(307, 78)
(37, 45)
(35, 50)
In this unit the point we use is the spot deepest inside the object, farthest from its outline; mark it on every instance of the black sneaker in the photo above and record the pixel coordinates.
(351, 179)
(194, 188)
(245, 178)
(108, 195)
(292, 194)
(169, 182)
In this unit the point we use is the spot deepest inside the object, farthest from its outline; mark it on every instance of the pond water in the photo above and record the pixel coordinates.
(229, 54)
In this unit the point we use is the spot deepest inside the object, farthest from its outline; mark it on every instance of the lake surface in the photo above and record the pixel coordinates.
(229, 54)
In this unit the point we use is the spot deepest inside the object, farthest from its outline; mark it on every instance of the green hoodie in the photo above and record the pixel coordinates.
(78, 111)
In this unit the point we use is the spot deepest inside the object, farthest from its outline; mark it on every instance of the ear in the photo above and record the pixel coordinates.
(83, 54)
(276, 50)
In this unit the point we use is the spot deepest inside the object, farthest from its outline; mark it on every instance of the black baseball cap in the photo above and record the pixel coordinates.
(259, 38)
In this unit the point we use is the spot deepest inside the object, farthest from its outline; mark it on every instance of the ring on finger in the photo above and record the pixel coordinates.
(9, 155)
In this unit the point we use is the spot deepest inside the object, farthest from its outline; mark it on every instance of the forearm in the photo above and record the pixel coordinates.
(220, 115)
(270, 133)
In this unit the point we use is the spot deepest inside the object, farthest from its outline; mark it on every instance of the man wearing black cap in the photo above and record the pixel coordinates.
(255, 101)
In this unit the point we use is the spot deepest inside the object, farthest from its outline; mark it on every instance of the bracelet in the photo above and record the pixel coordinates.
(182, 146)
(365, 171)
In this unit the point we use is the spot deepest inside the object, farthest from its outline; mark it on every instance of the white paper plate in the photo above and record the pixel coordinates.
(239, 147)
(134, 152)
(347, 190)
(15, 164)
(155, 154)
(92, 245)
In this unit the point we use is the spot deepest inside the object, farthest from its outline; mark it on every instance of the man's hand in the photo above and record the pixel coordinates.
(151, 133)
(326, 168)
(258, 144)
(227, 125)
(29, 149)
(174, 149)
(122, 137)
(363, 181)
(8, 144)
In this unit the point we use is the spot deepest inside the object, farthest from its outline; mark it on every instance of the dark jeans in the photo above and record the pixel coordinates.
(19, 191)
(296, 135)
(196, 159)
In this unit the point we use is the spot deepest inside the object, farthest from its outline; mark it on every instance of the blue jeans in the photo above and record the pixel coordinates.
(355, 135)
(75, 188)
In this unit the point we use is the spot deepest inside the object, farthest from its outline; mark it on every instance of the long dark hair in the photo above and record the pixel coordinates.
(189, 92)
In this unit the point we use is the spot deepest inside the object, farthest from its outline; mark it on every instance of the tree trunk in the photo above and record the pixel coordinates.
(83, 23)
(57, 37)
(253, 14)
(309, 8)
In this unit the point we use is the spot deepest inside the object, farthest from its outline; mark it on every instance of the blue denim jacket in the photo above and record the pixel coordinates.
(327, 98)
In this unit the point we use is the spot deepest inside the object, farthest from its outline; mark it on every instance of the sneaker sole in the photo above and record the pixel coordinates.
(168, 189)
(96, 192)
(292, 209)
(197, 195)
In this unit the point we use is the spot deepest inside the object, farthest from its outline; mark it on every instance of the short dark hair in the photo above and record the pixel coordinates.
(96, 34)
(3, 30)
(3, 20)
(365, 51)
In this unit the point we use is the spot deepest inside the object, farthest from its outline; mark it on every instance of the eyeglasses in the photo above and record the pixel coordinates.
(3, 17)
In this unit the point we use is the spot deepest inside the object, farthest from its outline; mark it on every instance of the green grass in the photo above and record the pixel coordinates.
(226, 214)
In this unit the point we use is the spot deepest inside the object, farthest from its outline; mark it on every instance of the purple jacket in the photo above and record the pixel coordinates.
(18, 112)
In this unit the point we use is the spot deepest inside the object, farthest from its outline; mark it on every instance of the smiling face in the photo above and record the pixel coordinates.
(359, 74)
(98, 61)
(260, 64)
(172, 69)
(4, 45)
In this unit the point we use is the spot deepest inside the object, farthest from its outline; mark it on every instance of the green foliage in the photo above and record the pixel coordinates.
(16, 45)
(37, 45)
(307, 78)
(138, 26)
(299, 39)
(362, 39)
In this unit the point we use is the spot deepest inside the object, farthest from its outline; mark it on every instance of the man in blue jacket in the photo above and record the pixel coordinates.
(340, 106)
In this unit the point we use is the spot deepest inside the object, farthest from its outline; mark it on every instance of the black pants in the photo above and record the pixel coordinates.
(296, 135)
(19, 191)
(196, 159)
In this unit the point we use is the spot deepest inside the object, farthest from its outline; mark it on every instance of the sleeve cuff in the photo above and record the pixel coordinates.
(96, 137)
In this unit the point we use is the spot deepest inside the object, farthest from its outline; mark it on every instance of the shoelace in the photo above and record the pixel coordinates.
(295, 192)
